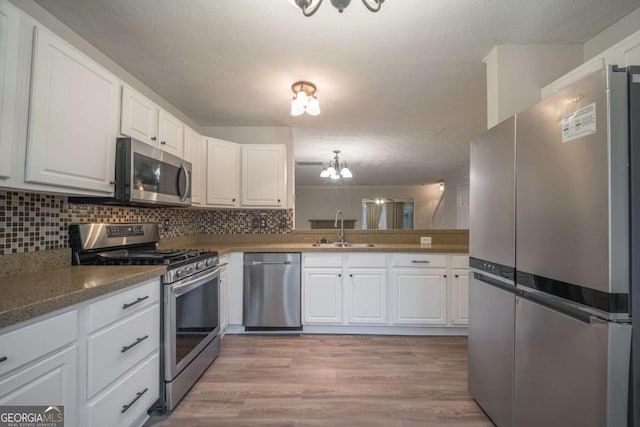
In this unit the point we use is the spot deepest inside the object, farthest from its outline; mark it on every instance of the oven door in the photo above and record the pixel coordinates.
(191, 319)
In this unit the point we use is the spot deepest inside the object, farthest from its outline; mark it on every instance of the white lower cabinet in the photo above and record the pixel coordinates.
(127, 399)
(415, 290)
(367, 296)
(99, 359)
(419, 296)
(322, 294)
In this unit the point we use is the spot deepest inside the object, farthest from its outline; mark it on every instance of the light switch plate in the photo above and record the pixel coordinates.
(425, 240)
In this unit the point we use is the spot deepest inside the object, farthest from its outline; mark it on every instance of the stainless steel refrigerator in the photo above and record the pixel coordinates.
(574, 190)
(573, 336)
(492, 259)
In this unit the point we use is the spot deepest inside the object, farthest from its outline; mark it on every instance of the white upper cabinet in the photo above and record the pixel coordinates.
(223, 173)
(195, 153)
(170, 134)
(9, 39)
(144, 120)
(264, 175)
(139, 118)
(72, 119)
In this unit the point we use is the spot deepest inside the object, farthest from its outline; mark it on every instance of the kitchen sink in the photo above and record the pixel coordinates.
(343, 245)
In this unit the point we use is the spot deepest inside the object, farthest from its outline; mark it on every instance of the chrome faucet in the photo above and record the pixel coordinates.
(335, 224)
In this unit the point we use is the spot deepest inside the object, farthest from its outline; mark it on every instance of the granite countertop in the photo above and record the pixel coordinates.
(28, 295)
(226, 248)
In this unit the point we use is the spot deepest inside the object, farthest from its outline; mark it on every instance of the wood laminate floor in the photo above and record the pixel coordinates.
(332, 380)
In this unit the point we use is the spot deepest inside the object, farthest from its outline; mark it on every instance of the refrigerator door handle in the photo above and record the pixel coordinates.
(505, 286)
(564, 308)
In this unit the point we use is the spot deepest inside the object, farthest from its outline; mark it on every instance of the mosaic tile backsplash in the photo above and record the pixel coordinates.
(36, 222)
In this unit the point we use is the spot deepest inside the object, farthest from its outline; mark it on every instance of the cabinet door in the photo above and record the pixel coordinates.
(263, 175)
(420, 296)
(170, 134)
(223, 172)
(460, 296)
(627, 52)
(195, 152)
(73, 118)
(322, 296)
(367, 296)
(9, 40)
(139, 118)
(51, 381)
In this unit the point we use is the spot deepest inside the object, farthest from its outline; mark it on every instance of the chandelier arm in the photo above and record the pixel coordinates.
(372, 8)
(309, 12)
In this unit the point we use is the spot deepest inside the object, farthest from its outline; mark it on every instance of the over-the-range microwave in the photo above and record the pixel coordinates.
(146, 176)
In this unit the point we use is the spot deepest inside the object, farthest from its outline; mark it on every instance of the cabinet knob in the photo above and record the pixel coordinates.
(163, 142)
(445, 276)
(153, 138)
(350, 275)
(233, 200)
(456, 276)
(339, 275)
(278, 200)
(112, 182)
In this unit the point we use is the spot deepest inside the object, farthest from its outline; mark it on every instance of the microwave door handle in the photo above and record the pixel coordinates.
(183, 197)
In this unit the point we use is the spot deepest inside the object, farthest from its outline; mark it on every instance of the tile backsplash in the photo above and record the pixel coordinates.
(32, 222)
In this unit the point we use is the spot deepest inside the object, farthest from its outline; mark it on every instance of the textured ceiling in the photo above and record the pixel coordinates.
(402, 91)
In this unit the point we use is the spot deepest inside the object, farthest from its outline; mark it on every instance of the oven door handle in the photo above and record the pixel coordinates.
(183, 287)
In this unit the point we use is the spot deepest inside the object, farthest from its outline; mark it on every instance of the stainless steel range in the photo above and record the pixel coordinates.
(190, 309)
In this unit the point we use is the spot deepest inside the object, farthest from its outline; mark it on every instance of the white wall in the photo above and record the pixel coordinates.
(447, 215)
(612, 35)
(262, 135)
(515, 74)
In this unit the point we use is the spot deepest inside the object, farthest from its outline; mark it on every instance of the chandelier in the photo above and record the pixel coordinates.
(335, 170)
(304, 99)
(309, 7)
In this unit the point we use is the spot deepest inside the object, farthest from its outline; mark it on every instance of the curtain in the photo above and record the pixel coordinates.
(374, 212)
(395, 215)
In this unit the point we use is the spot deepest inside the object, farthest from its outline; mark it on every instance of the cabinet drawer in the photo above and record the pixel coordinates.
(328, 260)
(459, 261)
(118, 306)
(367, 260)
(134, 394)
(116, 349)
(419, 260)
(28, 343)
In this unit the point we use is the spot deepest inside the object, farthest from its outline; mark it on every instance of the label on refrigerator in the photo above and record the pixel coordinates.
(580, 123)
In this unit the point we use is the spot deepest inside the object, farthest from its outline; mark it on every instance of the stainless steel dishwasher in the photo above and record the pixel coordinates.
(272, 291)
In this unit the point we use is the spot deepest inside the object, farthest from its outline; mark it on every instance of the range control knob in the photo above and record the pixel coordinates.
(200, 265)
(209, 262)
(189, 269)
(180, 272)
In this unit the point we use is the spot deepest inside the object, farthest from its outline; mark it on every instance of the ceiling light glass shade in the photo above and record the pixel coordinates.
(335, 176)
(442, 186)
(313, 109)
(302, 100)
(325, 173)
(296, 110)
(345, 172)
(331, 171)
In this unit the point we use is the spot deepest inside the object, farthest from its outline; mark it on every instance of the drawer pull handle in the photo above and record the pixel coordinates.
(418, 261)
(125, 306)
(3, 359)
(138, 341)
(135, 399)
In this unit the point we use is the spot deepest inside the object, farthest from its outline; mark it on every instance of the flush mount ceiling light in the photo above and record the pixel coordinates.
(304, 99)
(331, 169)
(309, 7)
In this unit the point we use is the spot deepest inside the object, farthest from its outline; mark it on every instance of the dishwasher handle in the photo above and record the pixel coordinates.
(270, 262)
